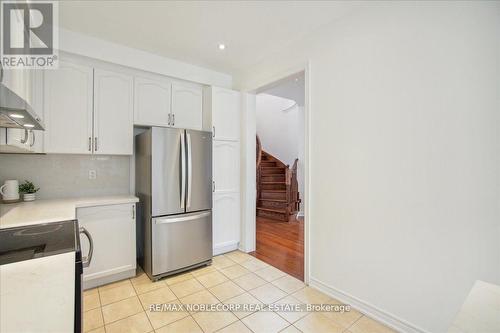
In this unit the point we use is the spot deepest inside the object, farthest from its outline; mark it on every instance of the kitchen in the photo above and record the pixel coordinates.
(129, 167)
(87, 117)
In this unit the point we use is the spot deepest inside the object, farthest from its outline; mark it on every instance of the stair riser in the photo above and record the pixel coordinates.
(267, 164)
(273, 171)
(273, 186)
(273, 178)
(273, 215)
(273, 195)
(272, 204)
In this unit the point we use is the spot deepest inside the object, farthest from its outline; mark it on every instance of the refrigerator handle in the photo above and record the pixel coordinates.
(183, 171)
(182, 218)
(189, 169)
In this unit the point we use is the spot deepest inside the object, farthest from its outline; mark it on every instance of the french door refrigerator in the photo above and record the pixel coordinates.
(174, 184)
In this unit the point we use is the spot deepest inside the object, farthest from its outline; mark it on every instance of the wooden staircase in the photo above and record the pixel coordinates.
(277, 187)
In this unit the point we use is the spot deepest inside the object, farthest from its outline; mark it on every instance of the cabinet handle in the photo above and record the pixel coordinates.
(95, 143)
(25, 139)
(213, 131)
(133, 212)
(213, 186)
(33, 139)
(88, 259)
(90, 143)
(169, 118)
(173, 119)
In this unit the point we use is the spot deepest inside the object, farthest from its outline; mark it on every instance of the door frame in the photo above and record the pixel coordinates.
(249, 133)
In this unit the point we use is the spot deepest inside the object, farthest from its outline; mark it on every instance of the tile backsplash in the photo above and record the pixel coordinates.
(63, 176)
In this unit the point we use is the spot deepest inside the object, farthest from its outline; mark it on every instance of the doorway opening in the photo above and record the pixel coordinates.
(280, 174)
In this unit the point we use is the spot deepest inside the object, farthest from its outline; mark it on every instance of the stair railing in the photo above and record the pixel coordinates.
(258, 156)
(292, 188)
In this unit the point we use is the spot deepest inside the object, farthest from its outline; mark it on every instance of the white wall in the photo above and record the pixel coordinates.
(404, 156)
(281, 131)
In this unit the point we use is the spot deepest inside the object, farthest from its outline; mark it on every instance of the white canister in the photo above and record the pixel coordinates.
(10, 190)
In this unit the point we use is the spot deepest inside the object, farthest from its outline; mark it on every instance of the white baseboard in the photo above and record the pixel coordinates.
(225, 247)
(370, 310)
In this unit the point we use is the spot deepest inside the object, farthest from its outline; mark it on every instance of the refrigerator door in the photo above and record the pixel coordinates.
(199, 170)
(180, 241)
(168, 171)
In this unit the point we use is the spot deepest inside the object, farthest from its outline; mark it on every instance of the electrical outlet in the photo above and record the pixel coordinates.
(92, 174)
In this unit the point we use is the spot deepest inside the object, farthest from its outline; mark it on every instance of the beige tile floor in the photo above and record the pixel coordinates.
(233, 278)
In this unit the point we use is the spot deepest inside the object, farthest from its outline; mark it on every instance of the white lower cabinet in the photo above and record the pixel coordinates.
(226, 221)
(112, 229)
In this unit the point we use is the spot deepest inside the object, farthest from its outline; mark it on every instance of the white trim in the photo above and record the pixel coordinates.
(225, 247)
(247, 177)
(100, 49)
(370, 310)
(307, 172)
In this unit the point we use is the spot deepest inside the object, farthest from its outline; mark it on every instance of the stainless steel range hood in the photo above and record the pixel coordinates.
(15, 112)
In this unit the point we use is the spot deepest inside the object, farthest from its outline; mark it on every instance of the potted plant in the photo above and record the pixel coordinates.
(28, 190)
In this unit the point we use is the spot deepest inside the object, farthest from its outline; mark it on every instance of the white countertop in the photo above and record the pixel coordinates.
(53, 210)
(480, 311)
(38, 295)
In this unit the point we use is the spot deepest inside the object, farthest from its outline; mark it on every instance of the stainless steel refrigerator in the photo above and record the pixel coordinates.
(173, 171)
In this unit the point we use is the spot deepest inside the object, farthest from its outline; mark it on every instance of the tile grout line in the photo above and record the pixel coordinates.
(149, 320)
(287, 294)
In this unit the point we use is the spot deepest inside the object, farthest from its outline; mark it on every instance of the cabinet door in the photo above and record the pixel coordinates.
(187, 106)
(68, 109)
(226, 114)
(152, 101)
(226, 165)
(226, 221)
(113, 234)
(113, 113)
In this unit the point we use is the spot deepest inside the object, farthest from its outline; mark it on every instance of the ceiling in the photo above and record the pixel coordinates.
(190, 31)
(293, 87)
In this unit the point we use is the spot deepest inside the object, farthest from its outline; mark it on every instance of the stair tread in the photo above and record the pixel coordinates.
(283, 182)
(272, 210)
(280, 191)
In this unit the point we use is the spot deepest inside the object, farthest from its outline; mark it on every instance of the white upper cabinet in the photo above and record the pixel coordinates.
(225, 109)
(187, 103)
(152, 101)
(68, 109)
(113, 113)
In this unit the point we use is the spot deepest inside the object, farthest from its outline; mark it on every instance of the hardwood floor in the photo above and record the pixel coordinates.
(281, 244)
